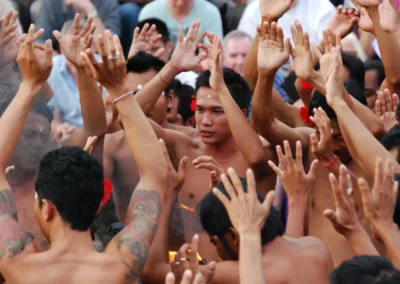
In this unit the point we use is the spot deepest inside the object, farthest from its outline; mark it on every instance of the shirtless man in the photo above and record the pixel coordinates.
(35, 139)
(307, 258)
(69, 187)
(271, 54)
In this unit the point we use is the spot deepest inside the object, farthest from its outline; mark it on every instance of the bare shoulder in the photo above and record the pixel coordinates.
(316, 249)
(189, 131)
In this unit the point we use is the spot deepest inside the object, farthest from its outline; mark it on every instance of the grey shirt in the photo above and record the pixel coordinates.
(54, 13)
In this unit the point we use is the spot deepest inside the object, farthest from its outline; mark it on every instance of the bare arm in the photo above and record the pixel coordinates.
(35, 73)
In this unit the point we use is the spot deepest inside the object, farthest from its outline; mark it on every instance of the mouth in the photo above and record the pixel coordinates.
(206, 134)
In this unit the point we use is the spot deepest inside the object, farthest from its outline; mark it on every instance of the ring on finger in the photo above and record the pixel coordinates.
(114, 57)
(349, 191)
(186, 40)
(184, 259)
(177, 263)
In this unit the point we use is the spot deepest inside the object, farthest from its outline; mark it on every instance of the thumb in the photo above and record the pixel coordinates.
(182, 166)
(331, 215)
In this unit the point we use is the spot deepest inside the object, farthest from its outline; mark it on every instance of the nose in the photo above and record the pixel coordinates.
(180, 3)
(240, 60)
(206, 120)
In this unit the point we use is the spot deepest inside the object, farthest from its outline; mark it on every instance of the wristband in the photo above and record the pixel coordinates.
(333, 163)
(306, 85)
(123, 96)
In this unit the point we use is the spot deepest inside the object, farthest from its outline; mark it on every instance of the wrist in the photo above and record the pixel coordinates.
(330, 161)
(118, 91)
(267, 71)
(384, 225)
(31, 88)
(90, 10)
(250, 234)
(168, 73)
(268, 18)
(356, 234)
(297, 200)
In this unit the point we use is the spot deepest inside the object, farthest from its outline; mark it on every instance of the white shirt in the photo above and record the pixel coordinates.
(314, 15)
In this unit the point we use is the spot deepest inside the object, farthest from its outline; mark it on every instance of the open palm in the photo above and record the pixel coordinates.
(274, 9)
(272, 51)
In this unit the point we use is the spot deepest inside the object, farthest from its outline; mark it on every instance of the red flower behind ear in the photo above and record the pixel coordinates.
(108, 188)
(193, 104)
(305, 116)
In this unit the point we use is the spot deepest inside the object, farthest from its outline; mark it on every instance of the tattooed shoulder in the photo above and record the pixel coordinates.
(142, 222)
(7, 203)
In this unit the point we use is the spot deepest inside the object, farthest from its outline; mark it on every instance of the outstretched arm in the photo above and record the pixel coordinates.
(133, 243)
(13, 239)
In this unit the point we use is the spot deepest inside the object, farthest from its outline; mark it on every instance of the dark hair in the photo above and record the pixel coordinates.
(237, 86)
(365, 269)
(396, 214)
(215, 219)
(376, 65)
(161, 27)
(142, 62)
(73, 181)
(8, 92)
(184, 93)
(392, 139)
(319, 100)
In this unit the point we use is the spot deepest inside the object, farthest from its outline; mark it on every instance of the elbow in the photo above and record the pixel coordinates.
(378, 130)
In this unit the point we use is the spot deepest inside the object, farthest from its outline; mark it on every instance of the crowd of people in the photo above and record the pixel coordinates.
(186, 141)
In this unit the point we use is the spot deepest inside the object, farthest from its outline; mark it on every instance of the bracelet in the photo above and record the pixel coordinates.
(333, 163)
(306, 86)
(123, 96)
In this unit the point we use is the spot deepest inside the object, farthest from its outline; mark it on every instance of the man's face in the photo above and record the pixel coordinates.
(235, 53)
(167, 49)
(31, 145)
(180, 6)
(371, 87)
(210, 117)
(339, 146)
(223, 254)
(135, 80)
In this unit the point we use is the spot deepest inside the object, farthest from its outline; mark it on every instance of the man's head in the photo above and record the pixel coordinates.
(141, 69)
(211, 120)
(236, 46)
(69, 189)
(319, 100)
(374, 77)
(215, 221)
(180, 7)
(165, 41)
(180, 112)
(35, 135)
(365, 269)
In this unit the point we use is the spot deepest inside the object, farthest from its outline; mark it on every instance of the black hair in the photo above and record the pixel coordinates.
(73, 181)
(376, 65)
(392, 139)
(8, 92)
(237, 86)
(161, 28)
(142, 62)
(365, 269)
(396, 214)
(319, 100)
(215, 219)
(185, 95)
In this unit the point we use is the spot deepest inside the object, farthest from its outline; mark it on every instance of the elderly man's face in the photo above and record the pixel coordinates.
(235, 53)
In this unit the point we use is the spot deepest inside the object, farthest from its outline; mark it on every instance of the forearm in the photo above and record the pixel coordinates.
(140, 137)
(360, 242)
(356, 134)
(100, 28)
(295, 223)
(390, 236)
(389, 48)
(13, 120)
(251, 269)
(147, 97)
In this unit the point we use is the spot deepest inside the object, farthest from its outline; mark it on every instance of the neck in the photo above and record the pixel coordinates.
(63, 239)
(18, 179)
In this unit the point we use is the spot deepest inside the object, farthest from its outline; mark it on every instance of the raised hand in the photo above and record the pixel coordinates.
(184, 57)
(389, 16)
(301, 54)
(365, 22)
(34, 71)
(322, 146)
(217, 82)
(379, 203)
(208, 48)
(273, 52)
(209, 163)
(111, 72)
(186, 264)
(8, 38)
(344, 21)
(144, 40)
(367, 3)
(175, 178)
(344, 219)
(272, 10)
(81, 40)
(186, 278)
(294, 179)
(385, 108)
(245, 211)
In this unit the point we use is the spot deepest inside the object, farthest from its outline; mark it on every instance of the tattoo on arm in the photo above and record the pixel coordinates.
(142, 223)
(7, 203)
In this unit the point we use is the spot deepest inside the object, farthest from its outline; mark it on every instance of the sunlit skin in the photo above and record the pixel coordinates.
(371, 87)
